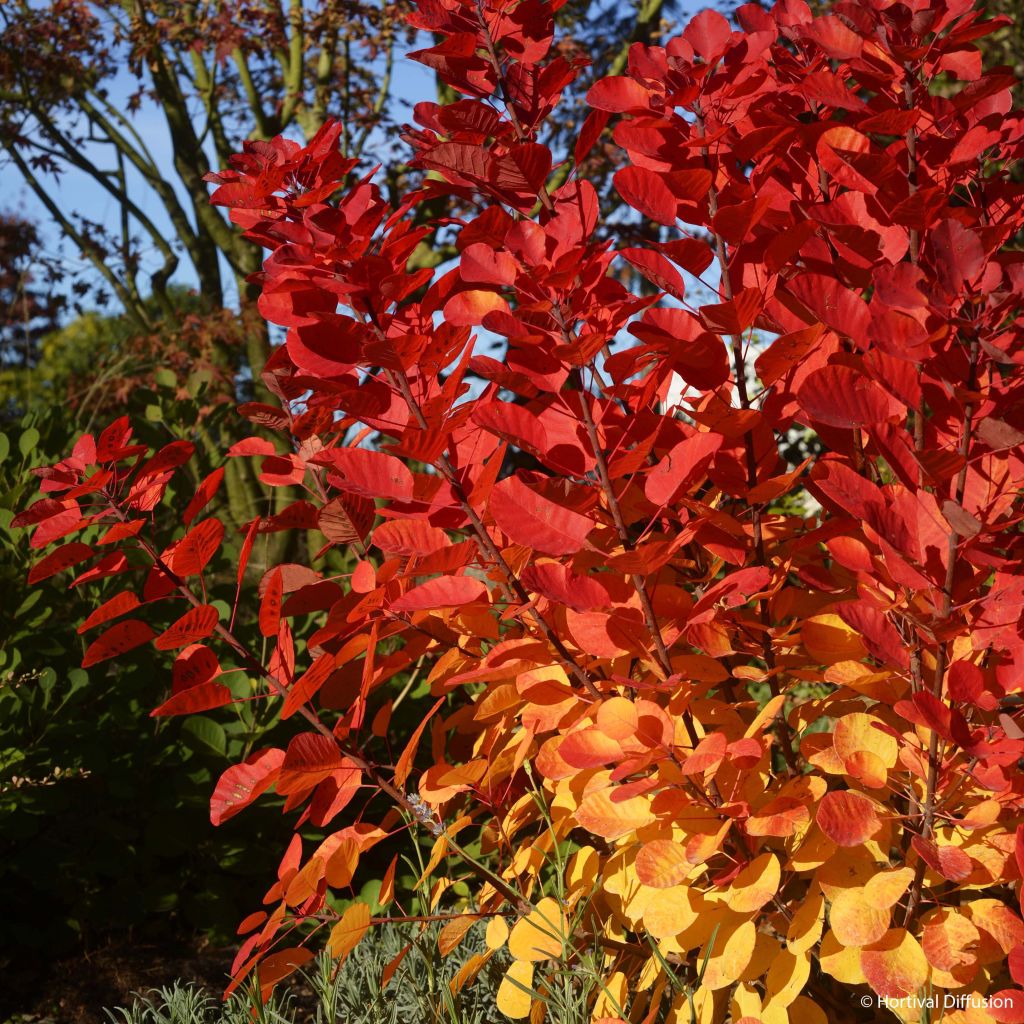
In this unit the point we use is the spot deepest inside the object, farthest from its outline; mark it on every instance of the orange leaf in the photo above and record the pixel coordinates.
(600, 814)
(848, 818)
(346, 934)
(662, 863)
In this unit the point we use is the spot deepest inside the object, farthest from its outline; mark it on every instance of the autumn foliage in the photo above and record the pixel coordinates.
(749, 727)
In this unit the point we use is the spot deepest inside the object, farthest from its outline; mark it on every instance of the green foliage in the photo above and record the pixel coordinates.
(96, 832)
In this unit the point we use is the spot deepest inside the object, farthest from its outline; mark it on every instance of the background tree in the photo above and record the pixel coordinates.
(29, 307)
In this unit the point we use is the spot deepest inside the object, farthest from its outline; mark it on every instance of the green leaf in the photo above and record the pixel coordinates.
(165, 378)
(5, 446)
(205, 735)
(28, 440)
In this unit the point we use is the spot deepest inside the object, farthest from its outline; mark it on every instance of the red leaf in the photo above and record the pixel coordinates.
(125, 636)
(480, 264)
(251, 446)
(557, 583)
(645, 191)
(619, 95)
(949, 861)
(243, 783)
(513, 423)
(409, 537)
(196, 664)
(196, 624)
(441, 592)
(834, 305)
(346, 520)
(535, 521)
(40, 511)
(126, 601)
(201, 697)
(683, 466)
(270, 605)
(307, 685)
(848, 818)
(591, 131)
(734, 316)
(190, 555)
(840, 396)
(369, 473)
(57, 561)
(658, 270)
(709, 34)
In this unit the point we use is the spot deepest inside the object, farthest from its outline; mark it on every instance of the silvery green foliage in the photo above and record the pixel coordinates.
(417, 994)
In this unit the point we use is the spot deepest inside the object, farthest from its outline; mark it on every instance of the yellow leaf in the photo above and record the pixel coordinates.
(806, 1011)
(805, 928)
(729, 955)
(541, 934)
(854, 921)
(885, 888)
(496, 934)
(896, 966)
(858, 731)
(512, 1000)
(755, 885)
(842, 962)
(611, 997)
(671, 911)
(846, 869)
(827, 639)
(345, 935)
(786, 978)
(582, 869)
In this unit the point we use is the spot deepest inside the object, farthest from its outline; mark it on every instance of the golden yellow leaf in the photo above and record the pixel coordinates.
(805, 928)
(885, 888)
(755, 885)
(827, 639)
(745, 1002)
(512, 999)
(582, 869)
(345, 935)
(842, 962)
(845, 869)
(766, 949)
(496, 934)
(786, 978)
(541, 934)
(895, 966)
(611, 998)
(860, 731)
(671, 911)
(806, 1011)
(728, 952)
(854, 921)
